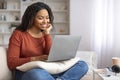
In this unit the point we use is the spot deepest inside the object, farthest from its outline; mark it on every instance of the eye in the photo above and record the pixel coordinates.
(47, 17)
(40, 18)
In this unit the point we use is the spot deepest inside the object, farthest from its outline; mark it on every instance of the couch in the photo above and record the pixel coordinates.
(88, 56)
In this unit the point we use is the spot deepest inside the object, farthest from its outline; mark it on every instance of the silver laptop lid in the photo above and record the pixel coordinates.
(64, 47)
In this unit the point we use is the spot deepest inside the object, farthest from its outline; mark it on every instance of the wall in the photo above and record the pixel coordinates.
(81, 12)
(81, 21)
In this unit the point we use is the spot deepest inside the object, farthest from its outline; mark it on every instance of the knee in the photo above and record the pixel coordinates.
(83, 65)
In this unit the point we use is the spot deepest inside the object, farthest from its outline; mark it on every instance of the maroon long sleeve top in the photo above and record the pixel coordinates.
(22, 46)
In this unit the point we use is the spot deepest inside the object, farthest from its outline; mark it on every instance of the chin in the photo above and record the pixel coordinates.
(43, 28)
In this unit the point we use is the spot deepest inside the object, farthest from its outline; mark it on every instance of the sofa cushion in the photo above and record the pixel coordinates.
(5, 73)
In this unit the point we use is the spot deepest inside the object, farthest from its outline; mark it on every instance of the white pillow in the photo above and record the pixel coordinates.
(51, 67)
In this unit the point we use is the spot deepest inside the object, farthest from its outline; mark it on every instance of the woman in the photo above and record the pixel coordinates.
(31, 41)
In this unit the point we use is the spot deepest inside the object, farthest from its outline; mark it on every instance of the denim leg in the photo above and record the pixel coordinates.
(76, 72)
(37, 74)
(18, 74)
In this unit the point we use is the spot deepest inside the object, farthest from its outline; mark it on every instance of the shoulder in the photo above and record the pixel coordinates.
(17, 34)
(16, 37)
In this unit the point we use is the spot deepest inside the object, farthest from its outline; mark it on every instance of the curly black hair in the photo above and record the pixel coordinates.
(29, 15)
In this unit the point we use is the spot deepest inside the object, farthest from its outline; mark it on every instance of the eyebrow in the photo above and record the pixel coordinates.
(42, 15)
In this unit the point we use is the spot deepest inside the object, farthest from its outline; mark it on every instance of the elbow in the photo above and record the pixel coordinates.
(11, 66)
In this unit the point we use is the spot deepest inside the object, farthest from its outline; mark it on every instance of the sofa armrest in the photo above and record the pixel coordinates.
(89, 57)
(5, 73)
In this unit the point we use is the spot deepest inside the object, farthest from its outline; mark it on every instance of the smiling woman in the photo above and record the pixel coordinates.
(31, 41)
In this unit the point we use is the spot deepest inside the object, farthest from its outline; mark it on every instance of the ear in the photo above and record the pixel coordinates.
(116, 68)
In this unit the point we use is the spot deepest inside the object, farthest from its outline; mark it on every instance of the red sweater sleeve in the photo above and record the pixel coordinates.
(48, 43)
(13, 56)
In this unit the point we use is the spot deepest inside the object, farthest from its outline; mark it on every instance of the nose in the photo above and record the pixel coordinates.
(45, 21)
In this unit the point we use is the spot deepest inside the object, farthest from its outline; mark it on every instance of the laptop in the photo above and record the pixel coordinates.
(64, 47)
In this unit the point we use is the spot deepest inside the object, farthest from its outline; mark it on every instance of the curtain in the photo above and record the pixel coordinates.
(105, 34)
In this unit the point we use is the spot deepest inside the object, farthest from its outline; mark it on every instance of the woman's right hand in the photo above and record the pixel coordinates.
(48, 29)
(39, 58)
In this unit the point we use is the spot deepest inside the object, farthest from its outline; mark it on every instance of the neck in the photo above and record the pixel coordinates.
(34, 32)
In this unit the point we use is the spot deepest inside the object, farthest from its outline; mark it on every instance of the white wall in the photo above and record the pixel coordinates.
(81, 14)
(81, 21)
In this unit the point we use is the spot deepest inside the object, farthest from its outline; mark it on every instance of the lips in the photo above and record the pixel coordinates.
(44, 25)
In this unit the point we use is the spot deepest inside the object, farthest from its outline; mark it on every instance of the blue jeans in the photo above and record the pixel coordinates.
(76, 72)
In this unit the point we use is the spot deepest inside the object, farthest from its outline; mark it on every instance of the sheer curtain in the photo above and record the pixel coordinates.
(105, 39)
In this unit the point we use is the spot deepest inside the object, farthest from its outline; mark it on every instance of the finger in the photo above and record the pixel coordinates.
(48, 25)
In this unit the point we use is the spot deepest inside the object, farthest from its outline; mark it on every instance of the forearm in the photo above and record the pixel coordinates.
(13, 57)
(13, 62)
(39, 58)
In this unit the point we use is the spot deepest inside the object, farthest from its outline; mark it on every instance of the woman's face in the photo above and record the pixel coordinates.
(42, 20)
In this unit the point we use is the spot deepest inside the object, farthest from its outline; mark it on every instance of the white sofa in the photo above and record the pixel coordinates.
(89, 57)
